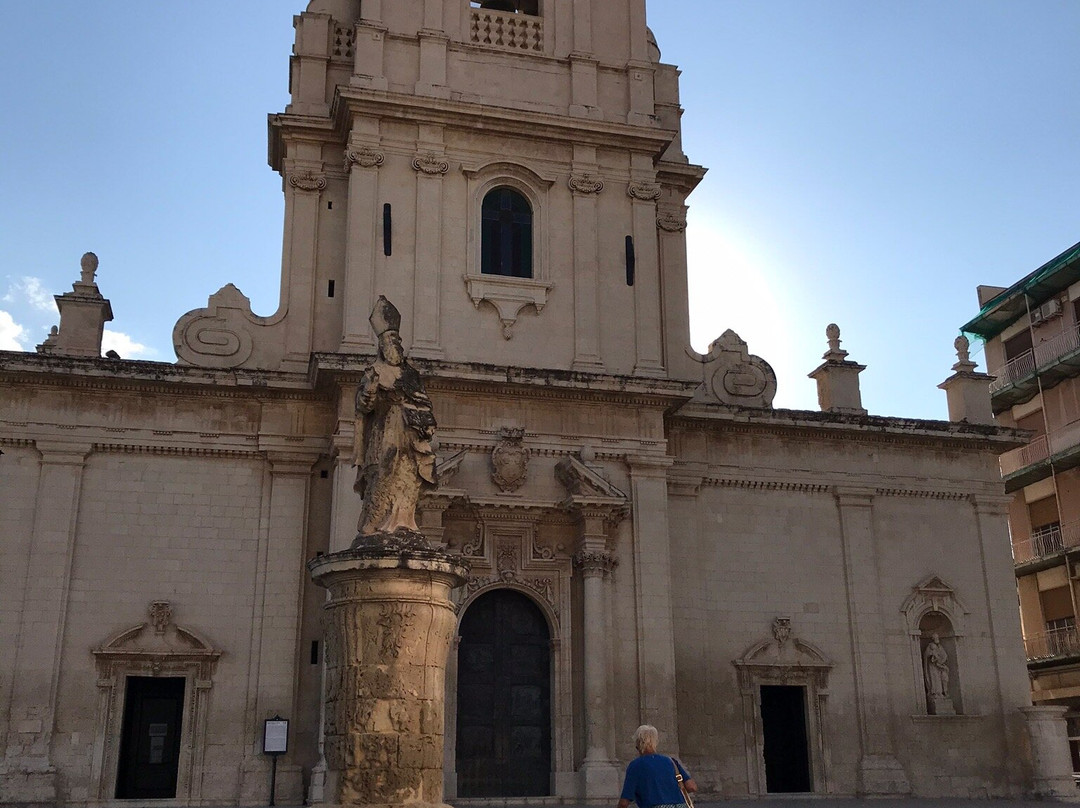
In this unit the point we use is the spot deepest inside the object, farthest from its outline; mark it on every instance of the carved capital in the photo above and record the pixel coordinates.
(585, 183)
(308, 181)
(365, 158)
(430, 164)
(595, 563)
(671, 222)
(645, 191)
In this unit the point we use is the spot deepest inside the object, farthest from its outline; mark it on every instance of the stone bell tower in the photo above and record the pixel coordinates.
(509, 172)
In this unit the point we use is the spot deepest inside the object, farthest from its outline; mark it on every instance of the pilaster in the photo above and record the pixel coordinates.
(676, 292)
(363, 158)
(586, 186)
(276, 633)
(652, 590)
(880, 772)
(304, 184)
(643, 193)
(431, 168)
(29, 774)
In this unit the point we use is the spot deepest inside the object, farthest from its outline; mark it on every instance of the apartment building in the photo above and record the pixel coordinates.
(1032, 334)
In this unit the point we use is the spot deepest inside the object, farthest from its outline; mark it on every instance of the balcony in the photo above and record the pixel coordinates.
(1056, 644)
(1046, 543)
(1051, 361)
(1031, 463)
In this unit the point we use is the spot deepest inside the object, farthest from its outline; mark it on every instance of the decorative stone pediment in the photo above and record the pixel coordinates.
(782, 658)
(933, 594)
(157, 646)
(731, 376)
(582, 481)
(221, 335)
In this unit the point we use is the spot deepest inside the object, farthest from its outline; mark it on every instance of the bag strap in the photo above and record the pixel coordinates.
(682, 786)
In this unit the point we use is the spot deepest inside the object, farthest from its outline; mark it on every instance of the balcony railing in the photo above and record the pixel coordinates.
(1047, 541)
(1015, 369)
(1045, 353)
(1059, 642)
(507, 30)
(1041, 449)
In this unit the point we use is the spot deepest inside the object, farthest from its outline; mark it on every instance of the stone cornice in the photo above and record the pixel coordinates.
(475, 377)
(810, 482)
(151, 377)
(350, 101)
(863, 428)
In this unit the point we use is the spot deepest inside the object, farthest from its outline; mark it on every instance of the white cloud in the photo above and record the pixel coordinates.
(11, 333)
(31, 290)
(125, 346)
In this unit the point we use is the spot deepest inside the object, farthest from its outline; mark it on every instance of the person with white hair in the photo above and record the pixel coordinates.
(653, 780)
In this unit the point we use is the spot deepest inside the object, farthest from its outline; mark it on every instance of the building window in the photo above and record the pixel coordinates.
(507, 234)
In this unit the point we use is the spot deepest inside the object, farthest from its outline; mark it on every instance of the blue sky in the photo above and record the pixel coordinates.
(870, 164)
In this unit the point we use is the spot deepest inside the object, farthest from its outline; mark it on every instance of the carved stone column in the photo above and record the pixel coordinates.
(599, 773)
(880, 772)
(29, 775)
(389, 622)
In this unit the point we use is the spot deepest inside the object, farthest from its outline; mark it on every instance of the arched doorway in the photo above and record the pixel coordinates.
(504, 698)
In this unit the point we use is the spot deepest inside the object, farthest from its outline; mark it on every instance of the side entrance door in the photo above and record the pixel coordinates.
(150, 744)
(504, 698)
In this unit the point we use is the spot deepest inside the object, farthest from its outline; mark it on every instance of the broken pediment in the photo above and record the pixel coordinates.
(157, 645)
(582, 481)
(731, 376)
(783, 650)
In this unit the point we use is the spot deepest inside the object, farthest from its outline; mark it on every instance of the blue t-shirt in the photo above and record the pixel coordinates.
(650, 780)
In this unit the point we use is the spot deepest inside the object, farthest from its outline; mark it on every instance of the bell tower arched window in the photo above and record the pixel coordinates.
(512, 6)
(507, 234)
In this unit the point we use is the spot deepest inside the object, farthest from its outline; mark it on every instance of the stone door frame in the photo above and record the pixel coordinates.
(507, 555)
(143, 651)
(784, 660)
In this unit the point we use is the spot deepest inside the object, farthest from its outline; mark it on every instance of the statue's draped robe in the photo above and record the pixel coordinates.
(392, 448)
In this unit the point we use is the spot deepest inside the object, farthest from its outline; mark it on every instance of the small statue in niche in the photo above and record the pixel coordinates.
(936, 673)
(395, 426)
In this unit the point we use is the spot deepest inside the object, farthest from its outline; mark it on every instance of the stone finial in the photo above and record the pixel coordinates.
(963, 354)
(838, 378)
(83, 314)
(967, 391)
(89, 265)
(832, 333)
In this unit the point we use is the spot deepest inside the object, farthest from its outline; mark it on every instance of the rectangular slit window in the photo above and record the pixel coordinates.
(329, 205)
(314, 652)
(387, 230)
(631, 261)
(329, 288)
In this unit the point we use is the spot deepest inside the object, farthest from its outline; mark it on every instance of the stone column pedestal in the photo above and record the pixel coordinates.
(388, 627)
(1051, 765)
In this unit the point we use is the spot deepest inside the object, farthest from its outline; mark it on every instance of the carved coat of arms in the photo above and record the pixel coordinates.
(510, 460)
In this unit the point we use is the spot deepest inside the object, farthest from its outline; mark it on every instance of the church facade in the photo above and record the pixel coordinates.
(802, 602)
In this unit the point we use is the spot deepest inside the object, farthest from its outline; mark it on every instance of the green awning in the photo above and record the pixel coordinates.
(1052, 277)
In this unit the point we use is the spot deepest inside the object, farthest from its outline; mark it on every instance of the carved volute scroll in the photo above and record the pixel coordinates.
(733, 377)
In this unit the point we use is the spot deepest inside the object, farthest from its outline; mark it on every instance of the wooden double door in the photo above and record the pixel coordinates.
(504, 698)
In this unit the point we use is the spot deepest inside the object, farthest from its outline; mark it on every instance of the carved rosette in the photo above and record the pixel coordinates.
(645, 191)
(595, 563)
(365, 158)
(585, 184)
(430, 164)
(308, 181)
(510, 461)
(671, 222)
